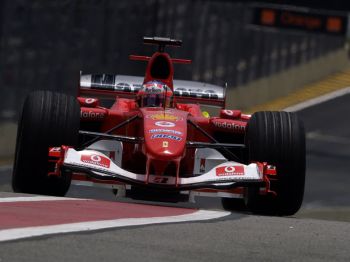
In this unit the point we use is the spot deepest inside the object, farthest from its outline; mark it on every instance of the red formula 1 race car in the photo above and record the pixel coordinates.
(154, 142)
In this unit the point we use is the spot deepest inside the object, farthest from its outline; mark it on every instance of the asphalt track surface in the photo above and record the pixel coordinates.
(320, 231)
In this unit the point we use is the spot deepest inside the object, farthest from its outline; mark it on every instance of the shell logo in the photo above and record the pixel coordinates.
(164, 124)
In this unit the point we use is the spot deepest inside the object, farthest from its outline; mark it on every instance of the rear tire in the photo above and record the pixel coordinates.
(48, 119)
(277, 138)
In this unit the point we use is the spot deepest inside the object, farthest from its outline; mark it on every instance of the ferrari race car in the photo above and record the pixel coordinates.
(147, 138)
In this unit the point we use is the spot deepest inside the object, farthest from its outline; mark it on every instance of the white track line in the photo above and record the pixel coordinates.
(26, 232)
(35, 198)
(318, 100)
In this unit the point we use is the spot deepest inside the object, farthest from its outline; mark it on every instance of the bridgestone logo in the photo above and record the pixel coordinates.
(231, 126)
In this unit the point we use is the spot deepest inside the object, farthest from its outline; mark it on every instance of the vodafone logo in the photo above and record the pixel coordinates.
(90, 100)
(230, 126)
(228, 112)
(92, 115)
(230, 171)
(164, 124)
(96, 160)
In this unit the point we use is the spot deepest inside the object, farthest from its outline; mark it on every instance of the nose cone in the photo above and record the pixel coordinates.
(165, 133)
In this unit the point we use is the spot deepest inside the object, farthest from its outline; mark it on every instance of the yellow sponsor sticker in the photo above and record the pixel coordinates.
(205, 114)
(164, 117)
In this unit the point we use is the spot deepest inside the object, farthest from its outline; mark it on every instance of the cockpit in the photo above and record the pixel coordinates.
(155, 94)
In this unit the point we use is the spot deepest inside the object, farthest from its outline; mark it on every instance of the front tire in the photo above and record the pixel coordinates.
(48, 119)
(277, 138)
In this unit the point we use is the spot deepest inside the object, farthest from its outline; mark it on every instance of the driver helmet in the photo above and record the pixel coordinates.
(155, 94)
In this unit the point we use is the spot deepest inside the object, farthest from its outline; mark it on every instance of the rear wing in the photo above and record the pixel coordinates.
(108, 85)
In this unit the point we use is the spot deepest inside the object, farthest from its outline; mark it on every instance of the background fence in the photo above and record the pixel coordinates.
(44, 44)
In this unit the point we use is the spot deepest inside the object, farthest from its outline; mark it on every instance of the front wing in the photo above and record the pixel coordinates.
(223, 176)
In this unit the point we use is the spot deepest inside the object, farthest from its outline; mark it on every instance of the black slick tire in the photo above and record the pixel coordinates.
(277, 138)
(48, 119)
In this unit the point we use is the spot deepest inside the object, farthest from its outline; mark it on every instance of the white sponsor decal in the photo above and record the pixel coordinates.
(164, 124)
(166, 137)
(91, 114)
(229, 126)
(159, 130)
(55, 149)
(90, 100)
(228, 112)
(197, 92)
